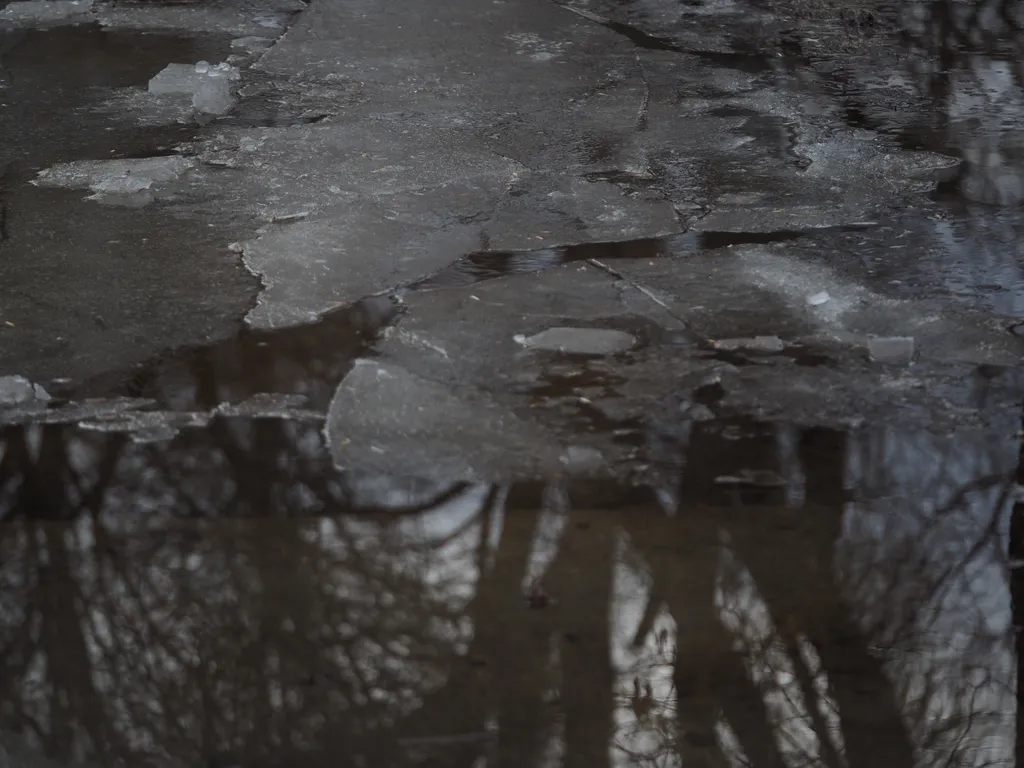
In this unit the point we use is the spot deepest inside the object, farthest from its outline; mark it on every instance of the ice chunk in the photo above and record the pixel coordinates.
(88, 174)
(213, 95)
(819, 298)
(209, 85)
(131, 183)
(15, 390)
(45, 10)
(226, 70)
(175, 78)
(580, 341)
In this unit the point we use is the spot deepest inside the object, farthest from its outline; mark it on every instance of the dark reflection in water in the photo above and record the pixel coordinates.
(792, 597)
(307, 360)
(960, 91)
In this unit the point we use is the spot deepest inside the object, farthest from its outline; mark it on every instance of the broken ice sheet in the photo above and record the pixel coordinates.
(387, 419)
(37, 412)
(145, 426)
(44, 11)
(175, 79)
(208, 85)
(131, 183)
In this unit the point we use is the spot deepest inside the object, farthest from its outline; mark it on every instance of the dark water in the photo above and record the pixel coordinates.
(86, 287)
(792, 597)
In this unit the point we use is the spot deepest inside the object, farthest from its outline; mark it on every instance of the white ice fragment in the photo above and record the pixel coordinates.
(15, 390)
(817, 299)
(226, 70)
(130, 183)
(213, 95)
(90, 174)
(202, 67)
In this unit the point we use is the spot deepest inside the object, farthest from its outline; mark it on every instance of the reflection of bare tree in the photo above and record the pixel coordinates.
(308, 360)
(969, 66)
(126, 629)
(229, 597)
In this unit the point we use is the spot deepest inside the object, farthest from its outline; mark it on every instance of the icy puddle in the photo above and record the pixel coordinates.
(85, 286)
(788, 597)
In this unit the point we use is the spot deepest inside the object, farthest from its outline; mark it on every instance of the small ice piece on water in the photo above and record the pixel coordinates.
(15, 390)
(127, 191)
(765, 345)
(818, 299)
(580, 341)
(202, 67)
(45, 10)
(130, 182)
(175, 78)
(226, 70)
(897, 350)
(213, 95)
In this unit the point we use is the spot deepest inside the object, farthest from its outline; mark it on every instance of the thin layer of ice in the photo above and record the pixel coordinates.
(132, 183)
(45, 10)
(175, 79)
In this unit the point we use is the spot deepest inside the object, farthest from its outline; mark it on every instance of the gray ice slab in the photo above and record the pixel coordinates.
(27, 12)
(342, 255)
(454, 361)
(17, 390)
(239, 18)
(131, 183)
(548, 209)
(387, 419)
(405, 52)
